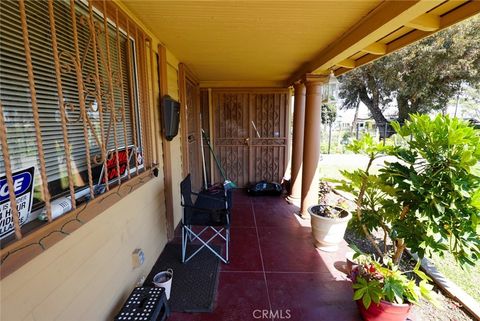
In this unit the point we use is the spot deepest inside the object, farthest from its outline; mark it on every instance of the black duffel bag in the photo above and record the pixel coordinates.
(264, 188)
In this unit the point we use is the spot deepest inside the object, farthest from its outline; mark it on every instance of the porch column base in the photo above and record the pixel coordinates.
(293, 200)
(304, 216)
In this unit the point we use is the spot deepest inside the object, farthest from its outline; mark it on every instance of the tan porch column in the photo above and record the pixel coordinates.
(297, 144)
(311, 145)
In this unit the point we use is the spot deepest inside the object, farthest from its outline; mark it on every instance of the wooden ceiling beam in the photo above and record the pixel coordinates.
(346, 63)
(376, 49)
(387, 17)
(460, 13)
(425, 22)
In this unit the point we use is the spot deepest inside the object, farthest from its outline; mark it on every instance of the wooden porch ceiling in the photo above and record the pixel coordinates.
(270, 43)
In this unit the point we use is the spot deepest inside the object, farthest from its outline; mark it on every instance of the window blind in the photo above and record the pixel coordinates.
(16, 100)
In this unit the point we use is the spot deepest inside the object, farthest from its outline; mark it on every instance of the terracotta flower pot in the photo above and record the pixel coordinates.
(384, 311)
(328, 232)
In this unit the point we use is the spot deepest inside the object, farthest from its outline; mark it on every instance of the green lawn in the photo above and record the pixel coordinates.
(331, 165)
(468, 279)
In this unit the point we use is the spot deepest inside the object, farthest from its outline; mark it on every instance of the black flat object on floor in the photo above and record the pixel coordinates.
(265, 188)
(194, 284)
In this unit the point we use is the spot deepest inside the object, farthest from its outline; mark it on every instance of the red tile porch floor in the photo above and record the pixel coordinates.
(275, 272)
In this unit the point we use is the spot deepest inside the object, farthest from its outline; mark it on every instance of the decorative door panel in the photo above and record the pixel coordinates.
(251, 134)
(269, 136)
(231, 136)
(193, 134)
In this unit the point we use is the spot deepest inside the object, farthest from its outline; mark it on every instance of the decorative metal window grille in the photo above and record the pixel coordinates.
(69, 101)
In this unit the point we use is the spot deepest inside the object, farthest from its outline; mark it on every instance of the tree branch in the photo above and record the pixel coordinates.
(373, 107)
(361, 195)
(397, 256)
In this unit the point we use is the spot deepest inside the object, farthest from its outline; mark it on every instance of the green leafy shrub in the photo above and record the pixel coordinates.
(428, 198)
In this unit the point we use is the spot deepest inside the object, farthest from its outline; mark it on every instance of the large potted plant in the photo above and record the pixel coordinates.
(329, 220)
(384, 293)
(426, 196)
(329, 223)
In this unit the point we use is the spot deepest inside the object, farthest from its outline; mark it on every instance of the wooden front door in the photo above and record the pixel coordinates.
(251, 134)
(231, 118)
(190, 126)
(269, 136)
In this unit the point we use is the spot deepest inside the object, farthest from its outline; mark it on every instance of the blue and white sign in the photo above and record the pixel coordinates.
(23, 183)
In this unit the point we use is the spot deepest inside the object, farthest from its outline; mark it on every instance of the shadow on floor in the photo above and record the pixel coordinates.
(275, 272)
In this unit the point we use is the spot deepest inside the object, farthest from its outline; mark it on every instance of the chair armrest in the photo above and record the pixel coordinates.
(207, 210)
(219, 198)
(207, 195)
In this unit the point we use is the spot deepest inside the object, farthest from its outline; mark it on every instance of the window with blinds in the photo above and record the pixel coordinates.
(105, 70)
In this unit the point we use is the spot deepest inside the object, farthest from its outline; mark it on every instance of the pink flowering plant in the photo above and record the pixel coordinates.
(373, 282)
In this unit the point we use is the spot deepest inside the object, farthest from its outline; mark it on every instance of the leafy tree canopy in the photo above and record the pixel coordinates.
(329, 113)
(422, 77)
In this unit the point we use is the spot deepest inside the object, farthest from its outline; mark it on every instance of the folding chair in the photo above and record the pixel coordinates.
(210, 211)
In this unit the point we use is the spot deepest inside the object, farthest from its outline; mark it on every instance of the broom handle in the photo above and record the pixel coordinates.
(214, 156)
(203, 158)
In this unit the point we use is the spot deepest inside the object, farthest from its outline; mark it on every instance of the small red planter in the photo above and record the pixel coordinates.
(385, 311)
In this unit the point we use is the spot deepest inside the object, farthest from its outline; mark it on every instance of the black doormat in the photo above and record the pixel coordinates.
(194, 283)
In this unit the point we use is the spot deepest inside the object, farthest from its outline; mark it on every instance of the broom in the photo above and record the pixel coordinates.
(227, 183)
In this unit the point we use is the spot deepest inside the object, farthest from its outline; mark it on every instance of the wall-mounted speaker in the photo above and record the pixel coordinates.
(170, 117)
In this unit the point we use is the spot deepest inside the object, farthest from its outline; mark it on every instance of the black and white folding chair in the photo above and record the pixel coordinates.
(209, 212)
